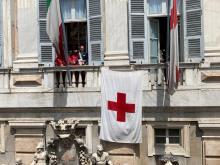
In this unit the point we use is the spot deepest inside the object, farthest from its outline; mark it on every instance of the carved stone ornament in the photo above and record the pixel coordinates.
(65, 148)
(18, 161)
(168, 159)
(40, 157)
(101, 157)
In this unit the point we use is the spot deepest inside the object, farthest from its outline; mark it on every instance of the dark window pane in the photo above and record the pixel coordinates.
(160, 132)
(160, 140)
(174, 140)
(174, 132)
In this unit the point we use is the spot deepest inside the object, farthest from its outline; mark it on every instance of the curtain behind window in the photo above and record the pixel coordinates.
(73, 9)
(155, 6)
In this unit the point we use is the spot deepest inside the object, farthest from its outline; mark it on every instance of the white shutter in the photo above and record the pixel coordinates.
(193, 30)
(46, 50)
(95, 37)
(1, 32)
(137, 31)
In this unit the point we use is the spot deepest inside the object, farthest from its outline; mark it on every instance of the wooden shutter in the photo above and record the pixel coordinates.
(95, 37)
(46, 50)
(1, 32)
(193, 30)
(137, 31)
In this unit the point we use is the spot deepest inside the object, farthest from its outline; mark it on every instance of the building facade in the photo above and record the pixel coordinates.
(123, 35)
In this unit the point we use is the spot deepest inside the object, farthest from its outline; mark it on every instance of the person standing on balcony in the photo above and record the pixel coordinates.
(83, 60)
(60, 62)
(73, 59)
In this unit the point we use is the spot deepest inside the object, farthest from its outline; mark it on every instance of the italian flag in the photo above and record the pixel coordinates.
(173, 75)
(54, 26)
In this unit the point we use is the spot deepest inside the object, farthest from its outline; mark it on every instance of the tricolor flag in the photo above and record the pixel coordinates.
(121, 111)
(173, 72)
(54, 26)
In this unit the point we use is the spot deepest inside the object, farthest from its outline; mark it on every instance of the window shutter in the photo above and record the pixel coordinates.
(193, 30)
(46, 50)
(1, 33)
(137, 31)
(95, 37)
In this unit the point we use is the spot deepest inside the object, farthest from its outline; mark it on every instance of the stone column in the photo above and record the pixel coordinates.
(116, 32)
(89, 137)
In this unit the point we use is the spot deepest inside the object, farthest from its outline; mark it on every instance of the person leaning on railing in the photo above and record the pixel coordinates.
(59, 62)
(83, 60)
(73, 59)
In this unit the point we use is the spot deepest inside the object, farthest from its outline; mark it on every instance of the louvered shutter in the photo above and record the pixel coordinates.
(1, 33)
(137, 31)
(95, 37)
(193, 32)
(46, 50)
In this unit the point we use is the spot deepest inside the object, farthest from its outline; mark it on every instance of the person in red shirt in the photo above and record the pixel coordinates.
(59, 62)
(74, 60)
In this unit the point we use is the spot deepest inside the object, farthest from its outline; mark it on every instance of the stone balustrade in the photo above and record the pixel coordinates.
(57, 79)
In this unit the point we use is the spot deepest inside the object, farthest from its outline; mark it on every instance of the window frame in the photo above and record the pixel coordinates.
(167, 136)
(182, 149)
(154, 16)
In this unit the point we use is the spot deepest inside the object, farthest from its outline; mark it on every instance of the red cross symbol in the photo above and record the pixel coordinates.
(121, 107)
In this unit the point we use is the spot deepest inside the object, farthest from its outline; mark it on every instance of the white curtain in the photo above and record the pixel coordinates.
(155, 6)
(73, 9)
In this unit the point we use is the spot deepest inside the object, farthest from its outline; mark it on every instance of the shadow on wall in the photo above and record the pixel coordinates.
(60, 99)
(163, 98)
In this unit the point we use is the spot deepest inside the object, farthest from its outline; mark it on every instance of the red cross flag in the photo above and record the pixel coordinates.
(121, 116)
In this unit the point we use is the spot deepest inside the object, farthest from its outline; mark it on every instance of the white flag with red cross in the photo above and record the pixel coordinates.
(121, 111)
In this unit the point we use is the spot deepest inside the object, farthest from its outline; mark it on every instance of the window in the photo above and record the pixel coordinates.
(1, 32)
(75, 20)
(157, 17)
(148, 30)
(167, 136)
(82, 19)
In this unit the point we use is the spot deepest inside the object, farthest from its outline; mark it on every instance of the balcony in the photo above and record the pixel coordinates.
(198, 86)
(192, 76)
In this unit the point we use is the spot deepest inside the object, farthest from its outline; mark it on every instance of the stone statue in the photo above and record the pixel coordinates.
(168, 159)
(101, 157)
(18, 161)
(40, 157)
(84, 158)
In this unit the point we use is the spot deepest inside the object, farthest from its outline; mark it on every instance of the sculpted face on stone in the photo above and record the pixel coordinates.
(99, 150)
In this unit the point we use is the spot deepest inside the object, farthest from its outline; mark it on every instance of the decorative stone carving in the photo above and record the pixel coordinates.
(62, 148)
(64, 128)
(40, 157)
(83, 155)
(18, 161)
(168, 160)
(101, 157)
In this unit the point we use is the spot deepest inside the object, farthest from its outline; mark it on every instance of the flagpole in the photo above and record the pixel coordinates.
(168, 41)
(65, 46)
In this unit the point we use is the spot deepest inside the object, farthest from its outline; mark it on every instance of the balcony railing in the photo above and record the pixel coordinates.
(89, 76)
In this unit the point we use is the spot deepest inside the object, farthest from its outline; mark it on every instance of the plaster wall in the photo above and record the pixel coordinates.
(211, 29)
